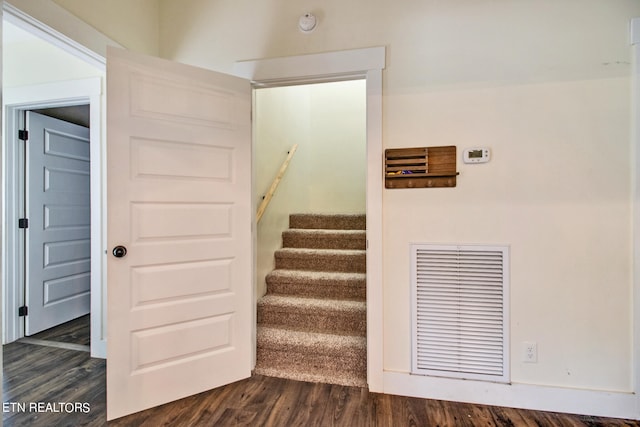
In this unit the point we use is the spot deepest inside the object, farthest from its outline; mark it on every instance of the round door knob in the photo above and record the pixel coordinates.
(119, 251)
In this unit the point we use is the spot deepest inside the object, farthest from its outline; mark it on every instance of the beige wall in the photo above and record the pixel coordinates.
(556, 191)
(328, 171)
(545, 85)
(133, 24)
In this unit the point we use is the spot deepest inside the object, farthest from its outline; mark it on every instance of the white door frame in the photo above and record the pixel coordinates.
(17, 100)
(335, 66)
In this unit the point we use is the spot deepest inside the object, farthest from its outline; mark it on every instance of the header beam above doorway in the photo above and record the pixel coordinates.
(312, 68)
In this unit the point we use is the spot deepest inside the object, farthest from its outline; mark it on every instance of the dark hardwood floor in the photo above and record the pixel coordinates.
(265, 401)
(39, 375)
(74, 332)
(54, 378)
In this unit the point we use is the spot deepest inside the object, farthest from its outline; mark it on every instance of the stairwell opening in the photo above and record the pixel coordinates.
(312, 320)
(311, 248)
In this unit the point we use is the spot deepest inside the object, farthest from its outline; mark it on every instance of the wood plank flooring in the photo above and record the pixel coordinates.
(47, 375)
(74, 332)
(34, 374)
(266, 401)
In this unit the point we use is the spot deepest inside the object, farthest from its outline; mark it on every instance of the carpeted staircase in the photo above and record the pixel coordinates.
(312, 321)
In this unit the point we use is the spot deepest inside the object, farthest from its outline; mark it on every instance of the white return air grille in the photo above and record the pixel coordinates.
(460, 311)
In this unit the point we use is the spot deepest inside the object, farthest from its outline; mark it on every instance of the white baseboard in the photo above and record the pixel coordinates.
(541, 398)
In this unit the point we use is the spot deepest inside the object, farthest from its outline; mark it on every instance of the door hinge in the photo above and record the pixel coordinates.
(23, 311)
(23, 223)
(23, 134)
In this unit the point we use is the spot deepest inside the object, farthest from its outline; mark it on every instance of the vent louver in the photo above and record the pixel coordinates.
(460, 308)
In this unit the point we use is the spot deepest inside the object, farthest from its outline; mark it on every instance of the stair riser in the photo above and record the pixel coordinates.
(321, 242)
(351, 323)
(350, 369)
(341, 263)
(348, 292)
(328, 222)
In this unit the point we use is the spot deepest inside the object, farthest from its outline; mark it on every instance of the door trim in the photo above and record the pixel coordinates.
(634, 36)
(59, 94)
(365, 63)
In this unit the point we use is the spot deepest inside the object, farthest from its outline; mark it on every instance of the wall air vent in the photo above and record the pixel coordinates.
(460, 311)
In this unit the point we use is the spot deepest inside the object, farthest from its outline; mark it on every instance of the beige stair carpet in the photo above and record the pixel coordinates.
(312, 321)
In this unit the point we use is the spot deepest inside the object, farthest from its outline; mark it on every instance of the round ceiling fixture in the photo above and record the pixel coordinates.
(307, 22)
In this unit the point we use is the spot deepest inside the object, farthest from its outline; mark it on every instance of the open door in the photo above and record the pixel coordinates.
(179, 231)
(58, 273)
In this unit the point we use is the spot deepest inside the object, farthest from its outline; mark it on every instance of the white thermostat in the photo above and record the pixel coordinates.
(476, 155)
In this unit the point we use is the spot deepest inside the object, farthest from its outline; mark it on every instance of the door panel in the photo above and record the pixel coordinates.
(179, 181)
(59, 212)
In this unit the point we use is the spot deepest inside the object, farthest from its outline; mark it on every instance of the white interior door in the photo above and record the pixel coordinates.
(179, 181)
(58, 272)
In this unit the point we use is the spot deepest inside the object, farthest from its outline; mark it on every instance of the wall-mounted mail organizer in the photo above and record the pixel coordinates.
(423, 167)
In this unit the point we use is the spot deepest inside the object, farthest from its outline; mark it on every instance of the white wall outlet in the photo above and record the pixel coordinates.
(530, 352)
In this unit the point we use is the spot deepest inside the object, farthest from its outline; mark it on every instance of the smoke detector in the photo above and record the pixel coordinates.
(307, 22)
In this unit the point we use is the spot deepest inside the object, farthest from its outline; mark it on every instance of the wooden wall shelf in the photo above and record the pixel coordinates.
(422, 167)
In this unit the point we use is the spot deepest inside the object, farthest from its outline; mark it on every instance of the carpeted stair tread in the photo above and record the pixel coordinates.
(324, 239)
(303, 374)
(317, 284)
(348, 260)
(313, 303)
(314, 357)
(321, 252)
(313, 314)
(318, 278)
(292, 340)
(328, 221)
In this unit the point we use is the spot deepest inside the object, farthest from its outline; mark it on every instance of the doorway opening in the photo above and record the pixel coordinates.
(311, 239)
(55, 223)
(76, 100)
(366, 64)
(49, 220)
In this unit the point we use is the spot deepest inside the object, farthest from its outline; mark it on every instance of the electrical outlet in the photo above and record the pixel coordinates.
(530, 352)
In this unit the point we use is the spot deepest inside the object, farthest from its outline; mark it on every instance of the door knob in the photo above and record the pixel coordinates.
(119, 251)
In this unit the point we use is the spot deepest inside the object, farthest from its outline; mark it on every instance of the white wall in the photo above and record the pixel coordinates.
(545, 85)
(328, 171)
(328, 122)
(35, 61)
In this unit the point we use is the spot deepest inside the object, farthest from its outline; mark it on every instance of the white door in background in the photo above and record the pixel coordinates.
(58, 272)
(179, 267)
